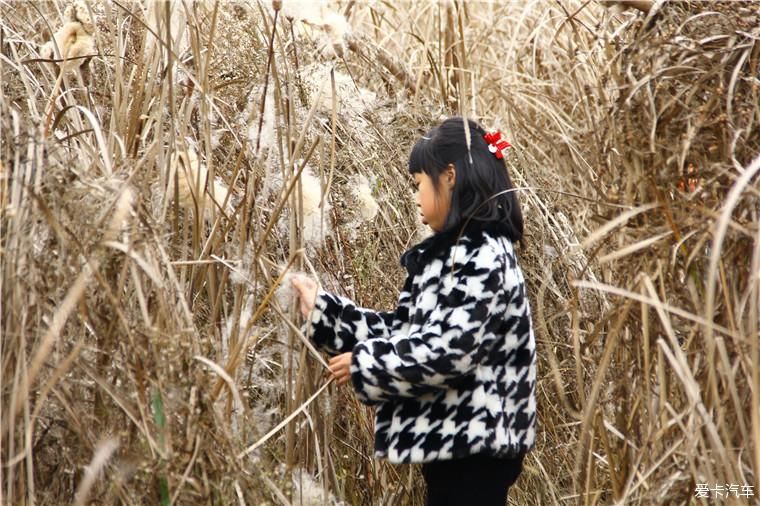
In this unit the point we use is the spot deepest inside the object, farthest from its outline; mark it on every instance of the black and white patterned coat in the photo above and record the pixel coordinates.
(452, 370)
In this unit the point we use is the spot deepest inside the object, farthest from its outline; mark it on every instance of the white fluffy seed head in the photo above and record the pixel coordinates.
(122, 211)
(337, 28)
(368, 207)
(316, 210)
(103, 452)
(303, 9)
(73, 40)
(71, 43)
(191, 180)
(350, 100)
(310, 492)
(245, 316)
(285, 293)
(238, 277)
(79, 12)
(317, 15)
(241, 274)
(268, 136)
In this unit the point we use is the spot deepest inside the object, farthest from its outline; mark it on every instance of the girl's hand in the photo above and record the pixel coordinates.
(340, 367)
(306, 289)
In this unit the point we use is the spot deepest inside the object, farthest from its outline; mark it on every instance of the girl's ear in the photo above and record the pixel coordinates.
(450, 176)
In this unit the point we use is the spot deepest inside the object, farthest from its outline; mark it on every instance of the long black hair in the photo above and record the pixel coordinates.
(479, 195)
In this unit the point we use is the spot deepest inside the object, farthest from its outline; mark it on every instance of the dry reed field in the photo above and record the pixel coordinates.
(165, 166)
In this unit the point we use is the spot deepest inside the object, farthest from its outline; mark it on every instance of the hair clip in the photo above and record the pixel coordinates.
(496, 144)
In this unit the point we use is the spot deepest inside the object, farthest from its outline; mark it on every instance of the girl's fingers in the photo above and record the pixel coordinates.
(341, 376)
(301, 284)
(340, 367)
(307, 292)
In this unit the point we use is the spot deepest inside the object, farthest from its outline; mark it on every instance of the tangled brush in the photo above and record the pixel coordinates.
(689, 88)
(675, 137)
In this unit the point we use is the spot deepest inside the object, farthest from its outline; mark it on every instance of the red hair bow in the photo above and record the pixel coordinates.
(496, 144)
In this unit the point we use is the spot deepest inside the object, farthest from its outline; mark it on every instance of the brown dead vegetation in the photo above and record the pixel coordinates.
(148, 352)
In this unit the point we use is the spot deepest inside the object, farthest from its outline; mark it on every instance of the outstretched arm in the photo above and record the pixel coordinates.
(472, 311)
(337, 323)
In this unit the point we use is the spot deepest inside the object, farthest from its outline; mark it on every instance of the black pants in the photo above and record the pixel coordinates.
(477, 480)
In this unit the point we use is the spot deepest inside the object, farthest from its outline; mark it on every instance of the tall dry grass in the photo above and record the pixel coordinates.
(154, 201)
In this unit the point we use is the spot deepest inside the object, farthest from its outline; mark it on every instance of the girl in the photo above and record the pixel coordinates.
(452, 370)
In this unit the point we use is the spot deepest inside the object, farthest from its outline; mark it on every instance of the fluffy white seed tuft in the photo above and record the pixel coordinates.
(316, 210)
(192, 177)
(368, 207)
(316, 15)
(309, 492)
(72, 41)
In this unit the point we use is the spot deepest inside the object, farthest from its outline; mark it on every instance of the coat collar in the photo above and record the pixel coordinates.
(439, 244)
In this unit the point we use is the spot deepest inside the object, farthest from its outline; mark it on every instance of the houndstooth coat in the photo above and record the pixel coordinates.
(453, 369)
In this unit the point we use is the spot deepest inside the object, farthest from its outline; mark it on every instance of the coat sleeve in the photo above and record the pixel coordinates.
(338, 324)
(461, 329)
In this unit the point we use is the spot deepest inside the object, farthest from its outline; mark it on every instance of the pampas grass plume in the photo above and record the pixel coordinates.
(121, 212)
(368, 207)
(99, 460)
(74, 39)
(315, 228)
(336, 27)
(285, 293)
(316, 14)
(267, 137)
(309, 492)
(191, 177)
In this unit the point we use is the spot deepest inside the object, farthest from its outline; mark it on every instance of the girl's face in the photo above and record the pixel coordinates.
(434, 204)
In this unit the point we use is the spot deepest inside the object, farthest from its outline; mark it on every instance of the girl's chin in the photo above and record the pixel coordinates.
(432, 228)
